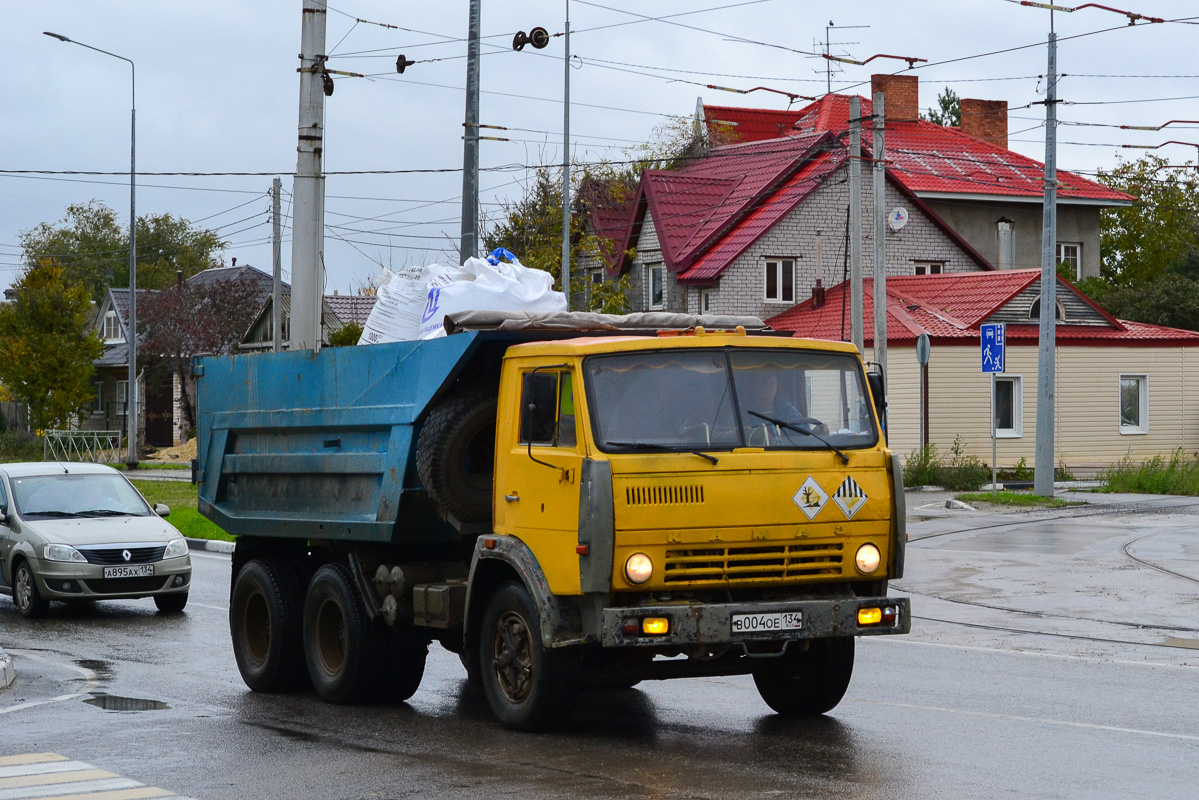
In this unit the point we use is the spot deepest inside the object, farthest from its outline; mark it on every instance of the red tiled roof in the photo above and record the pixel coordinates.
(732, 124)
(952, 306)
(933, 159)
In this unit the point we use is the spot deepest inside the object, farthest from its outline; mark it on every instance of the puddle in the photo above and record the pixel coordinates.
(103, 669)
(112, 702)
(1190, 644)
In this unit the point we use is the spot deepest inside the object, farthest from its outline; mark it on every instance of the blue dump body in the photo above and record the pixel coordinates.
(322, 446)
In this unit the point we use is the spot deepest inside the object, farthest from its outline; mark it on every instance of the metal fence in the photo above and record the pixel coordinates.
(96, 446)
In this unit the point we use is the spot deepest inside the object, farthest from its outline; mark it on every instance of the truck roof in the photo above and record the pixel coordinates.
(585, 345)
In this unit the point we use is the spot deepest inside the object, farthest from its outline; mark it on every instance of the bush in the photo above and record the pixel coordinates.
(1158, 475)
(20, 446)
(922, 467)
(961, 473)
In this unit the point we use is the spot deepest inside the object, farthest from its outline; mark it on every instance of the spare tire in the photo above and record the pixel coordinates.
(455, 456)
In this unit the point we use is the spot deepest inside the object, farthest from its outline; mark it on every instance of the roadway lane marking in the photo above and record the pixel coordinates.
(1024, 653)
(195, 554)
(222, 609)
(91, 682)
(49, 776)
(1042, 720)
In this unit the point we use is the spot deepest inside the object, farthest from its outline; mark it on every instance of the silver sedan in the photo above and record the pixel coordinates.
(83, 532)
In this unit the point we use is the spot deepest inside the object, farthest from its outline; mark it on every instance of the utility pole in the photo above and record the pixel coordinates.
(276, 266)
(566, 164)
(1046, 372)
(879, 180)
(308, 204)
(857, 334)
(469, 245)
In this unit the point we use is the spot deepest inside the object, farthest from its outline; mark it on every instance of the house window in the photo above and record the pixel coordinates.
(1008, 407)
(657, 286)
(98, 400)
(1034, 311)
(122, 396)
(1134, 404)
(705, 301)
(1070, 253)
(929, 268)
(780, 280)
(112, 328)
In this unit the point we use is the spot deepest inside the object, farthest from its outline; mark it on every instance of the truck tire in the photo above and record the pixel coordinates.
(456, 453)
(809, 682)
(529, 687)
(404, 666)
(339, 644)
(264, 622)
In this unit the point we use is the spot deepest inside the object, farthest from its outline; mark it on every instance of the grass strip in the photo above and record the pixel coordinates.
(181, 497)
(1026, 499)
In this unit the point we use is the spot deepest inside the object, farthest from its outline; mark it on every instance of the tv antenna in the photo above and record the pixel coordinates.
(828, 45)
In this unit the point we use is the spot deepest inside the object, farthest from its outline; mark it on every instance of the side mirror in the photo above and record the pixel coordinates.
(4, 514)
(878, 393)
(162, 509)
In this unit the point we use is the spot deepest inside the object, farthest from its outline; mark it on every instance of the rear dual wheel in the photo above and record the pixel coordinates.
(265, 623)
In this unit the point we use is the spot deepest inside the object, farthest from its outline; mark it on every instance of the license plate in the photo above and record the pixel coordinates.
(767, 623)
(139, 571)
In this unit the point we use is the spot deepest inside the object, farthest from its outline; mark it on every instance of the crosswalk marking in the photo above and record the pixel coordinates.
(50, 776)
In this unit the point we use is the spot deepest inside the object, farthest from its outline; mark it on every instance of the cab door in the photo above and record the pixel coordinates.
(537, 472)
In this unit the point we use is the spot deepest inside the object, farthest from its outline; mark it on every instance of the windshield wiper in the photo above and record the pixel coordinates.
(784, 424)
(49, 513)
(102, 512)
(662, 448)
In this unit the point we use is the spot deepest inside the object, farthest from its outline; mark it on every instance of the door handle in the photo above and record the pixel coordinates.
(511, 498)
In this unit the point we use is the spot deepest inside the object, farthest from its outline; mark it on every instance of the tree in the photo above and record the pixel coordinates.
(1170, 299)
(93, 248)
(346, 335)
(949, 112)
(49, 345)
(189, 319)
(1159, 233)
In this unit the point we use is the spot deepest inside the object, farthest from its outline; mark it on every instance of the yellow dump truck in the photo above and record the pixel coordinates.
(562, 508)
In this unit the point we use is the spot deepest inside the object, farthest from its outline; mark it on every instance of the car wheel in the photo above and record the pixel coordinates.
(25, 593)
(171, 603)
(809, 682)
(339, 645)
(265, 623)
(528, 686)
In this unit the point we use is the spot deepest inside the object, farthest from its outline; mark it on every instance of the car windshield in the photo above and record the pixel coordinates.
(720, 400)
(77, 495)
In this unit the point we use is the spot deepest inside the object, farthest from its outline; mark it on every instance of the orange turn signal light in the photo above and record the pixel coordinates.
(655, 626)
(870, 616)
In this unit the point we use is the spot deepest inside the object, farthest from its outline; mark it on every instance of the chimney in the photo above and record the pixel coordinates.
(817, 295)
(234, 264)
(901, 95)
(986, 120)
(179, 277)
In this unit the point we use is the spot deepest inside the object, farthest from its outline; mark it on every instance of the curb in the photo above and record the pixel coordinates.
(211, 545)
(7, 673)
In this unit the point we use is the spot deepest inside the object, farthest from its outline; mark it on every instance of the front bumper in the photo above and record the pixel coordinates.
(65, 580)
(711, 624)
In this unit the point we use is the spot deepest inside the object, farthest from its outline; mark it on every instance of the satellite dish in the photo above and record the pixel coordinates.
(897, 218)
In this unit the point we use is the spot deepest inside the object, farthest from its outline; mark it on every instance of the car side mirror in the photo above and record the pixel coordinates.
(162, 510)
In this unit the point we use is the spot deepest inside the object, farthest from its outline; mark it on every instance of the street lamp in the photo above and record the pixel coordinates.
(131, 394)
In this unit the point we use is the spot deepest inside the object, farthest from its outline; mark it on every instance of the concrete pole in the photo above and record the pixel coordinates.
(566, 165)
(132, 416)
(879, 181)
(857, 333)
(469, 244)
(308, 204)
(276, 266)
(1046, 351)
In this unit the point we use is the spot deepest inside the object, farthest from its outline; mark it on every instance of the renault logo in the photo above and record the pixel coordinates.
(126, 555)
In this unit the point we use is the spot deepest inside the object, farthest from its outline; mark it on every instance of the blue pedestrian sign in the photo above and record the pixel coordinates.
(992, 341)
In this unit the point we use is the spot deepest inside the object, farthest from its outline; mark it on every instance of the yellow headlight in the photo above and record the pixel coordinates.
(638, 568)
(867, 559)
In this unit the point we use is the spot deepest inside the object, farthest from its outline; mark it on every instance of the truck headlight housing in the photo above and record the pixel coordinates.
(867, 559)
(638, 568)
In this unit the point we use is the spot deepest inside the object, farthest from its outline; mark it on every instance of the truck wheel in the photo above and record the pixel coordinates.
(339, 644)
(25, 594)
(810, 682)
(264, 622)
(456, 453)
(404, 667)
(528, 687)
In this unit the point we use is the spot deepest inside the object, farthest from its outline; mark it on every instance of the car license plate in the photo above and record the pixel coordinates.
(139, 571)
(767, 623)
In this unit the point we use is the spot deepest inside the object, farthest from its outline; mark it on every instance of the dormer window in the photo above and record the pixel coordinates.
(1034, 311)
(112, 329)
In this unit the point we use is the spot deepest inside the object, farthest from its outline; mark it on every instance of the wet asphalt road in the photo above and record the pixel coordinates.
(1053, 654)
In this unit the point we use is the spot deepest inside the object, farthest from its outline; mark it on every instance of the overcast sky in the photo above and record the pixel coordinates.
(217, 92)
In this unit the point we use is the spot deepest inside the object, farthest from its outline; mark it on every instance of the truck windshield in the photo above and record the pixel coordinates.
(720, 400)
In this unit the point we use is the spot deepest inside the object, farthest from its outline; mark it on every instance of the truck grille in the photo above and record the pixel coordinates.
(664, 495)
(731, 566)
(116, 555)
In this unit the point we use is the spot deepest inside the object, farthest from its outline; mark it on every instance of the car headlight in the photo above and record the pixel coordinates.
(638, 568)
(175, 548)
(867, 559)
(62, 552)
